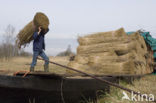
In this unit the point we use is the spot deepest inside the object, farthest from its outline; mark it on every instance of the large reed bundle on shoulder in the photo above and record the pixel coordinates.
(40, 19)
(24, 37)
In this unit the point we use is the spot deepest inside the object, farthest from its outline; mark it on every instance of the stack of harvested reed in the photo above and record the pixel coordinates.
(112, 52)
(24, 37)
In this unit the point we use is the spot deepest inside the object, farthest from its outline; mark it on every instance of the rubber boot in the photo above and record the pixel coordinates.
(46, 68)
(31, 69)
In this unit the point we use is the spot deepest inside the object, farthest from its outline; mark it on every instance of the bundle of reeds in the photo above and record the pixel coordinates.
(24, 37)
(40, 19)
(103, 37)
(119, 48)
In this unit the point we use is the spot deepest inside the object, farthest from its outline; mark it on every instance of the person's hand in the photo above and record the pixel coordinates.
(39, 30)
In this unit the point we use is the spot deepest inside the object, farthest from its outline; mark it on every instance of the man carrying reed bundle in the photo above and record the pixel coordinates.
(40, 25)
(35, 30)
(38, 47)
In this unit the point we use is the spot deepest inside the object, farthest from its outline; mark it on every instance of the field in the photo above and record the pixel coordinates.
(145, 85)
(23, 64)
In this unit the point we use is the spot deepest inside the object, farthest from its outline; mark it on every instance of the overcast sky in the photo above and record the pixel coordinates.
(70, 18)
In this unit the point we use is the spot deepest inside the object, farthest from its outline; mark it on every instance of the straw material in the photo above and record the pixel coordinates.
(106, 59)
(24, 37)
(122, 67)
(112, 52)
(81, 59)
(85, 59)
(103, 37)
(89, 41)
(105, 47)
(140, 39)
(77, 66)
(40, 19)
(118, 33)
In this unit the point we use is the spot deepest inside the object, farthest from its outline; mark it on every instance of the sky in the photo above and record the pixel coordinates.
(72, 18)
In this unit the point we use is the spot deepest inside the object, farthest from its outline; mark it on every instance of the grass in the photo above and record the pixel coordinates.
(145, 85)
(23, 64)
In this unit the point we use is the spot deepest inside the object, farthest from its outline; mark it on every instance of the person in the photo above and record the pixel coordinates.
(38, 49)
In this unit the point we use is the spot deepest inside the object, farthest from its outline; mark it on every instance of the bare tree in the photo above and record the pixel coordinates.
(9, 35)
(8, 48)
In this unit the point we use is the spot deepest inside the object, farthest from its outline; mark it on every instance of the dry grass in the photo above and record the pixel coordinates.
(146, 85)
(23, 63)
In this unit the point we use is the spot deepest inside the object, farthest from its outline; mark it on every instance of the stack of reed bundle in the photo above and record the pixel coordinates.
(112, 52)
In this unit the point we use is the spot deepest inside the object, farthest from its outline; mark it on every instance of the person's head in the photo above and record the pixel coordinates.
(44, 31)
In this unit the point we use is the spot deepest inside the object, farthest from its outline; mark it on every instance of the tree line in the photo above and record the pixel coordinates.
(8, 47)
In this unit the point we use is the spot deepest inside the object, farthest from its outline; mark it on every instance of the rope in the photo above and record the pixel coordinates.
(62, 97)
(99, 79)
(25, 73)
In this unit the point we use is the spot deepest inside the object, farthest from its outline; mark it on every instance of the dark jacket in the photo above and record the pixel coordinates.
(38, 44)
